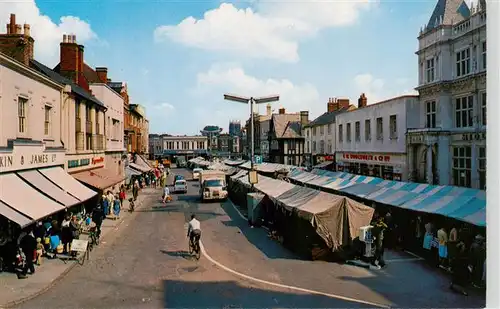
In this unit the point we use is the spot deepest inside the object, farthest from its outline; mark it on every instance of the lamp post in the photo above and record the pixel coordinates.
(251, 101)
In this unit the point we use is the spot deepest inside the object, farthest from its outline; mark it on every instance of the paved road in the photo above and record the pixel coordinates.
(145, 265)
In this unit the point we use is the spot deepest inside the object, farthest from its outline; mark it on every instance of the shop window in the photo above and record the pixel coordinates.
(429, 70)
(368, 130)
(430, 113)
(483, 108)
(22, 105)
(462, 61)
(483, 55)
(462, 160)
(47, 121)
(357, 131)
(482, 168)
(348, 132)
(380, 128)
(341, 134)
(464, 112)
(393, 126)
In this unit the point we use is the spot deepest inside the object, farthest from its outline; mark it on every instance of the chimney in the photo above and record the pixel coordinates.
(362, 101)
(343, 103)
(269, 111)
(16, 44)
(304, 118)
(331, 106)
(282, 111)
(102, 73)
(68, 64)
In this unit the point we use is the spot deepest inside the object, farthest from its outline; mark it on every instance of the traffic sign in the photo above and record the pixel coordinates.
(257, 159)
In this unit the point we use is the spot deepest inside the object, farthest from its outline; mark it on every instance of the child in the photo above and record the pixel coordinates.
(40, 251)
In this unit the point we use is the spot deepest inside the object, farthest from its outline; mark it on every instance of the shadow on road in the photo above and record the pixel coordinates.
(181, 253)
(230, 294)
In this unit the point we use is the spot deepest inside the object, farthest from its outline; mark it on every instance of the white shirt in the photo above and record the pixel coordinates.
(194, 225)
(166, 190)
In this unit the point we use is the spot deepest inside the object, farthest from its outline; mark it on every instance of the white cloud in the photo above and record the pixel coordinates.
(269, 30)
(377, 89)
(46, 33)
(164, 107)
(230, 78)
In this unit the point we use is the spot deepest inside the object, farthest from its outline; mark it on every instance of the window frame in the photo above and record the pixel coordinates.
(460, 112)
(47, 121)
(484, 54)
(483, 107)
(481, 166)
(430, 114)
(357, 131)
(393, 127)
(380, 129)
(22, 114)
(368, 130)
(348, 132)
(465, 62)
(430, 70)
(462, 163)
(341, 133)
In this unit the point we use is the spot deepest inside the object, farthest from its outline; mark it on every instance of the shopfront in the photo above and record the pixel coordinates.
(34, 184)
(388, 166)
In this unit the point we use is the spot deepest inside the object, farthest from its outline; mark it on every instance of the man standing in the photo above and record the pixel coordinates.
(166, 194)
(378, 233)
(97, 218)
(28, 245)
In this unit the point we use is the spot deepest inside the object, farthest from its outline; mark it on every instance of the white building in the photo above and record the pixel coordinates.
(320, 133)
(448, 145)
(33, 182)
(189, 146)
(371, 140)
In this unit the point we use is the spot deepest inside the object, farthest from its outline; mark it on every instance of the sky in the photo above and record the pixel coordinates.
(178, 58)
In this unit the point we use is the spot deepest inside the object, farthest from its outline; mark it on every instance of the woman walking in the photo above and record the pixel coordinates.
(122, 194)
(116, 207)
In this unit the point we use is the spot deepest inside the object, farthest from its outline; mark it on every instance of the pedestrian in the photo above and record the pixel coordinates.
(40, 251)
(28, 246)
(122, 195)
(116, 208)
(460, 271)
(378, 230)
(442, 236)
(135, 190)
(166, 194)
(105, 205)
(97, 217)
(75, 229)
(452, 244)
(111, 199)
(428, 239)
(66, 233)
(477, 258)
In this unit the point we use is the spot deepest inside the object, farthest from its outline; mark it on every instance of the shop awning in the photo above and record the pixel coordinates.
(19, 195)
(323, 164)
(131, 172)
(68, 183)
(14, 215)
(100, 178)
(42, 183)
(139, 168)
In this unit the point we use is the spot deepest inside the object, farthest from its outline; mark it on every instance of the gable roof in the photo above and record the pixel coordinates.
(451, 12)
(326, 118)
(293, 130)
(66, 81)
(281, 124)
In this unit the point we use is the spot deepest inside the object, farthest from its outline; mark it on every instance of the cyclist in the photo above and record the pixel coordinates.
(194, 229)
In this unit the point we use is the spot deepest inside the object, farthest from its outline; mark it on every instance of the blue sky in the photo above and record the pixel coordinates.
(178, 58)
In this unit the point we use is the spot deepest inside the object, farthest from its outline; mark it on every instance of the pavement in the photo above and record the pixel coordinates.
(14, 290)
(145, 265)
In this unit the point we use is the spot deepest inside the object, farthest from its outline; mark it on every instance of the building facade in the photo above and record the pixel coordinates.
(448, 145)
(286, 140)
(137, 128)
(234, 128)
(33, 182)
(320, 134)
(155, 146)
(189, 146)
(371, 140)
(224, 145)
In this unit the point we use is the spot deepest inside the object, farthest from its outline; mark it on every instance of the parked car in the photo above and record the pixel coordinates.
(196, 173)
(178, 177)
(180, 186)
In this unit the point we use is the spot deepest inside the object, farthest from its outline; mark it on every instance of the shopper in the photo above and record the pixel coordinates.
(116, 207)
(460, 271)
(28, 245)
(66, 233)
(442, 236)
(378, 233)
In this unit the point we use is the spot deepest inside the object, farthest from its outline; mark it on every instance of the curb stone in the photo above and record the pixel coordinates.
(60, 276)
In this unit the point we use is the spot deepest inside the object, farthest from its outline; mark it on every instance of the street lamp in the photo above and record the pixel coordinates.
(252, 101)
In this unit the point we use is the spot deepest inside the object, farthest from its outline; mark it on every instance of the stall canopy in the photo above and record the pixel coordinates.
(129, 172)
(239, 174)
(267, 167)
(234, 162)
(140, 168)
(140, 160)
(323, 164)
(101, 178)
(464, 204)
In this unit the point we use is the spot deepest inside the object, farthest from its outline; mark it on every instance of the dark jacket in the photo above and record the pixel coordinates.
(75, 229)
(98, 215)
(28, 245)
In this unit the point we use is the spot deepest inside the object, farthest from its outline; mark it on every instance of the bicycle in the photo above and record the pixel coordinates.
(93, 240)
(195, 248)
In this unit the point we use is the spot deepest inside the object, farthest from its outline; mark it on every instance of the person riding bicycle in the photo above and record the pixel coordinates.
(194, 229)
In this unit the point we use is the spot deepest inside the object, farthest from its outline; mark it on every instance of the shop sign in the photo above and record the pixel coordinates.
(372, 159)
(97, 160)
(78, 163)
(367, 157)
(476, 136)
(27, 157)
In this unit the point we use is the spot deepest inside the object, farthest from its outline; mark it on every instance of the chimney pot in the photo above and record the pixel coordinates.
(19, 29)
(282, 111)
(27, 30)
(73, 38)
(8, 28)
(65, 38)
(12, 23)
(102, 73)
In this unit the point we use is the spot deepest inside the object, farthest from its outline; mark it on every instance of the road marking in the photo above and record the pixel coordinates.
(404, 260)
(234, 272)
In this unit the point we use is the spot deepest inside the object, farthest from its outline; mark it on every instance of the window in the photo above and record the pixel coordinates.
(483, 108)
(430, 113)
(393, 123)
(314, 146)
(462, 166)
(341, 134)
(463, 62)
(368, 130)
(322, 147)
(482, 168)
(429, 70)
(77, 110)
(329, 128)
(46, 129)
(348, 132)
(307, 132)
(322, 130)
(330, 148)
(357, 129)
(483, 55)
(22, 105)
(380, 128)
(314, 131)
(463, 112)
(308, 146)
